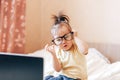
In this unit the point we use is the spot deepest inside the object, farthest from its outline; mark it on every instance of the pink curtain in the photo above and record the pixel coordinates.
(12, 26)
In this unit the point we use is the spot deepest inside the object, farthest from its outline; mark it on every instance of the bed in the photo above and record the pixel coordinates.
(99, 67)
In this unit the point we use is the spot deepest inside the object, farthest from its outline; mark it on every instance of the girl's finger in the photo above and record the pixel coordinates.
(46, 46)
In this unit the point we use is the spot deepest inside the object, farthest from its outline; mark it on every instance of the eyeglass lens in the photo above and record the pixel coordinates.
(59, 40)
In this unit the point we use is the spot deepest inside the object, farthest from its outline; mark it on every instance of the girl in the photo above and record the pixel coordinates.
(67, 59)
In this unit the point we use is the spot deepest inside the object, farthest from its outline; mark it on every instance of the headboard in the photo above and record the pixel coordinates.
(111, 51)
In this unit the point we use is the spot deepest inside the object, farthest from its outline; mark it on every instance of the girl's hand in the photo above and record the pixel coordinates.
(50, 49)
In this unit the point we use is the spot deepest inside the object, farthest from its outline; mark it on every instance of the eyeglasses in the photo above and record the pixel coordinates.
(59, 40)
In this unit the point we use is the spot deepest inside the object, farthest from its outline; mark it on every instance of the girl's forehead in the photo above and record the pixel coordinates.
(62, 31)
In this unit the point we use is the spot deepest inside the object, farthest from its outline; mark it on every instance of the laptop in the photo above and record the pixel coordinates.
(20, 67)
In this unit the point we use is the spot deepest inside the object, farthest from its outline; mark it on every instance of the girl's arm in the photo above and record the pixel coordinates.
(56, 62)
(83, 46)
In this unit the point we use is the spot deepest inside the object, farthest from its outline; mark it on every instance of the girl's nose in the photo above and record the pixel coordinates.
(63, 41)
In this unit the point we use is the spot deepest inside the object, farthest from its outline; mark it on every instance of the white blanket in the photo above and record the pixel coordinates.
(100, 68)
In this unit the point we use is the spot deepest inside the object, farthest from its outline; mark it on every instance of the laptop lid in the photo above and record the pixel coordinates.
(20, 67)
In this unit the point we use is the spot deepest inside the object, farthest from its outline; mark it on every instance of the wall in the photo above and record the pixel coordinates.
(32, 24)
(95, 21)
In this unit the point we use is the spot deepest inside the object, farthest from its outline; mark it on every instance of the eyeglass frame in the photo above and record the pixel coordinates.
(63, 37)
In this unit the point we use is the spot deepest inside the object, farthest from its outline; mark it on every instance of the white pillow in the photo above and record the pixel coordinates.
(95, 52)
(96, 62)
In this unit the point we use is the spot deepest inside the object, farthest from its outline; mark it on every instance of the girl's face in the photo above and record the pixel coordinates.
(64, 32)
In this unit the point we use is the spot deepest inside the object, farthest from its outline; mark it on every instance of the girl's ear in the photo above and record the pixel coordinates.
(75, 33)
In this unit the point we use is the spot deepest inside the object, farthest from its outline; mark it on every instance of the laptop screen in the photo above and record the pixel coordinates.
(15, 67)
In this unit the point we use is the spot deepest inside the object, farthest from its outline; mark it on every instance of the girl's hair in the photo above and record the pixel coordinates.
(59, 21)
(60, 18)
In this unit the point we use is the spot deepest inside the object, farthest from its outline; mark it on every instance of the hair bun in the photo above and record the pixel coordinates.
(61, 18)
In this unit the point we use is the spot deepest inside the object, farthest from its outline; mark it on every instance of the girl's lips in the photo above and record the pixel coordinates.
(64, 45)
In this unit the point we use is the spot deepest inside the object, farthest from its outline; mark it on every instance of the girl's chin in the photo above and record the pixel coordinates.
(66, 49)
